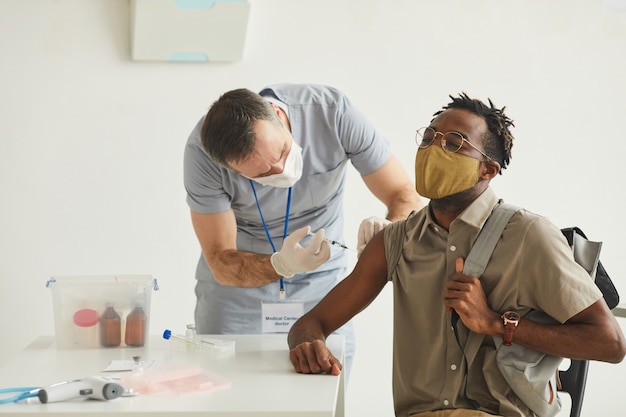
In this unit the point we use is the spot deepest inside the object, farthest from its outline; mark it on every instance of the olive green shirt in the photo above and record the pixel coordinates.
(532, 267)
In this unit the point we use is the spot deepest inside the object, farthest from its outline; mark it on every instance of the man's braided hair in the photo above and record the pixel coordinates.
(499, 141)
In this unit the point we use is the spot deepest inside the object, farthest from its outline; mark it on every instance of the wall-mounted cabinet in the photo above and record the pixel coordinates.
(188, 30)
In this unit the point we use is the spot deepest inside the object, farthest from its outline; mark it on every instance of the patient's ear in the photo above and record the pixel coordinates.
(489, 169)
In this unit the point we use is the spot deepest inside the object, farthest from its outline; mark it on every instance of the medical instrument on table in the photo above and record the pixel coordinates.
(168, 335)
(22, 393)
(334, 243)
(191, 343)
(94, 387)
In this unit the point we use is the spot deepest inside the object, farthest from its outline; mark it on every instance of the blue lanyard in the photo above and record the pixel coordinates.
(22, 394)
(267, 232)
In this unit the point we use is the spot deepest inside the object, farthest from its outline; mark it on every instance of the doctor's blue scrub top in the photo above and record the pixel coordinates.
(331, 132)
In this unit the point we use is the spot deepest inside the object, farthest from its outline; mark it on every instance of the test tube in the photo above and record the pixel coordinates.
(168, 335)
(218, 345)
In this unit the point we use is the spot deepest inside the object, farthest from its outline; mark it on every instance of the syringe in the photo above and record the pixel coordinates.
(334, 243)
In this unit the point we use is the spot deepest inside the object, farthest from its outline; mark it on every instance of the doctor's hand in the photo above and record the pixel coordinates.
(314, 358)
(293, 258)
(368, 228)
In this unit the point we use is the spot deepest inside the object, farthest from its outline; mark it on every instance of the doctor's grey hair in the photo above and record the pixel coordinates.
(227, 132)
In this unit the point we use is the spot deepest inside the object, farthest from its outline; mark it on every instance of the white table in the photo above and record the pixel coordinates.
(263, 380)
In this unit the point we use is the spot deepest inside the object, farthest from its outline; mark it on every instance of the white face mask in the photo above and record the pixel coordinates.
(291, 173)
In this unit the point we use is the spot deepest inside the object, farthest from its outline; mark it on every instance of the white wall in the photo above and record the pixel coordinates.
(91, 143)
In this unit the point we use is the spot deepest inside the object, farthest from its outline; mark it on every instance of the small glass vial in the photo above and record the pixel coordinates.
(110, 327)
(190, 334)
(191, 331)
(135, 327)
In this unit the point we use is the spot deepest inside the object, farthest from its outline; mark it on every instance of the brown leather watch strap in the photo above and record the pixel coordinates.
(509, 331)
(511, 319)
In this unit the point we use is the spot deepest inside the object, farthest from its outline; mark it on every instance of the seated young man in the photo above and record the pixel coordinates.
(532, 268)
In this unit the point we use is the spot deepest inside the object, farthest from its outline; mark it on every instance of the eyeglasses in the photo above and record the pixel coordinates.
(450, 141)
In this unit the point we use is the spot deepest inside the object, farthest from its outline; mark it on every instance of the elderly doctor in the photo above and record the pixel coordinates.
(265, 176)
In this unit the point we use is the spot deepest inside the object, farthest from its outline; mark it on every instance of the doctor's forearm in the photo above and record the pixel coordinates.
(403, 204)
(242, 269)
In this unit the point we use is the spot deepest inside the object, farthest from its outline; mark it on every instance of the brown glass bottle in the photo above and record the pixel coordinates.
(135, 327)
(110, 328)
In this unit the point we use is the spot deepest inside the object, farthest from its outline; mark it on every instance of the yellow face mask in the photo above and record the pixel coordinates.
(439, 173)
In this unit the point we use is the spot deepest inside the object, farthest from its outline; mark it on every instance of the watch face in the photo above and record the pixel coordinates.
(511, 316)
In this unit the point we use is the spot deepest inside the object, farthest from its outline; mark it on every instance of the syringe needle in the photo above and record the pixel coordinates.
(335, 243)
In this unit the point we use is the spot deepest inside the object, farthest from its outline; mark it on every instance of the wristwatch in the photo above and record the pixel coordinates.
(511, 320)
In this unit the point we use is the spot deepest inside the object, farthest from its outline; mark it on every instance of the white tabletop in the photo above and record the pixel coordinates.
(263, 382)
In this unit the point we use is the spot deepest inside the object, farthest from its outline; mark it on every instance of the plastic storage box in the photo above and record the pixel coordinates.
(101, 310)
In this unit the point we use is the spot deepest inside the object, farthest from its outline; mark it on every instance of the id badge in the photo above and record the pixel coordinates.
(279, 316)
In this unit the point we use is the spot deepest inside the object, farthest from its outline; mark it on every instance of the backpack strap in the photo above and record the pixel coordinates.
(488, 238)
(483, 247)
(475, 264)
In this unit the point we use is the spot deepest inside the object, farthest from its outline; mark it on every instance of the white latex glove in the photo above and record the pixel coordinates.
(368, 228)
(293, 258)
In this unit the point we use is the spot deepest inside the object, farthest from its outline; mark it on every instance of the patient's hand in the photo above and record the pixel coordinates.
(314, 358)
